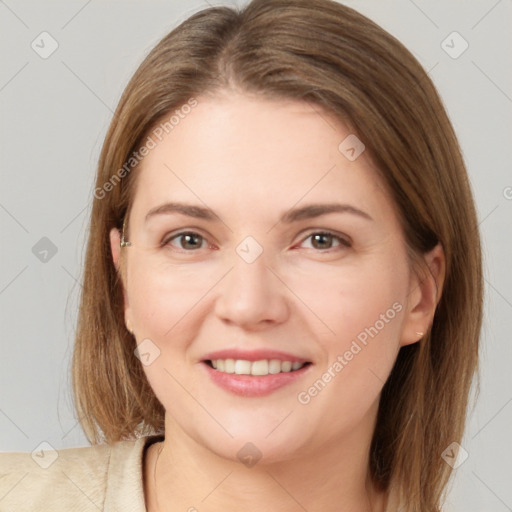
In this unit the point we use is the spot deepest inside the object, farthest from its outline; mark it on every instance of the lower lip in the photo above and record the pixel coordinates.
(253, 385)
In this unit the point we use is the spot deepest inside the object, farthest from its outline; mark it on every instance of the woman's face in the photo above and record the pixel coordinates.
(292, 259)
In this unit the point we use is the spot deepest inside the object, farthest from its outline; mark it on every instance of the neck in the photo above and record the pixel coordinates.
(181, 474)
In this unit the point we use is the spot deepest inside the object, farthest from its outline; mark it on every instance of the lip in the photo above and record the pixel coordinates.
(253, 355)
(253, 385)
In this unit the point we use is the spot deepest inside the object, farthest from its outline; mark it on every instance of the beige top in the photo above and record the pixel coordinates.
(95, 478)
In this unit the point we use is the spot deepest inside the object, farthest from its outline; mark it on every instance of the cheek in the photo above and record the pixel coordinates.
(370, 308)
(164, 308)
(162, 299)
(365, 309)
(167, 306)
(349, 300)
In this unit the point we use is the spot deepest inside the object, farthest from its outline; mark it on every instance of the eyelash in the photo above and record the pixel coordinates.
(343, 242)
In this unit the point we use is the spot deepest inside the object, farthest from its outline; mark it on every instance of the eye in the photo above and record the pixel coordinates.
(323, 240)
(190, 241)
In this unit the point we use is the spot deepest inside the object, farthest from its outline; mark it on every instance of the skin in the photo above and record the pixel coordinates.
(250, 159)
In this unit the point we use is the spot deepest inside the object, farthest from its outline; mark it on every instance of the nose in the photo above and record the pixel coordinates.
(252, 296)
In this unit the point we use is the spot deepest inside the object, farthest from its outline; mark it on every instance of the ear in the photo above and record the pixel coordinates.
(424, 294)
(115, 248)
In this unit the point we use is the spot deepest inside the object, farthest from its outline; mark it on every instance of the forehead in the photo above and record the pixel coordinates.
(248, 152)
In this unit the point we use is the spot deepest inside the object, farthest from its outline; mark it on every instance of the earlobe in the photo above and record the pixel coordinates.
(128, 323)
(424, 295)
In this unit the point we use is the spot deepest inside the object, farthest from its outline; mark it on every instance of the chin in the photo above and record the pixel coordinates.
(261, 442)
(255, 450)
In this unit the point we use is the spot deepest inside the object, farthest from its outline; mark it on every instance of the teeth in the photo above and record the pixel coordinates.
(242, 367)
(286, 366)
(261, 367)
(274, 366)
(229, 366)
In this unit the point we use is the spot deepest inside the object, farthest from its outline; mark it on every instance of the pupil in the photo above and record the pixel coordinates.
(322, 239)
(187, 238)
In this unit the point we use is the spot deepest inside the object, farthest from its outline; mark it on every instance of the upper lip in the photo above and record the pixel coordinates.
(253, 355)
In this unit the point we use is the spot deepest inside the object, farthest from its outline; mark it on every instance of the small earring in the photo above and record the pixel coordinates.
(124, 243)
(419, 333)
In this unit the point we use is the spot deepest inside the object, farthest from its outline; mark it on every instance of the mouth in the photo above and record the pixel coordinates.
(259, 368)
(254, 374)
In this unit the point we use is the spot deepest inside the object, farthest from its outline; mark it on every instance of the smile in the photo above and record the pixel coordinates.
(257, 368)
(255, 373)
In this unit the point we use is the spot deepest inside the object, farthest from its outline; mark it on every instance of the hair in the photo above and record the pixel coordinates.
(334, 58)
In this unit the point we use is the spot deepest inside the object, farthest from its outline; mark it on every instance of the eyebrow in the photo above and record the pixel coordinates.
(296, 214)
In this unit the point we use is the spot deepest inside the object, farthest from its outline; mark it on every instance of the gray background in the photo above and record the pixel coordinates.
(54, 115)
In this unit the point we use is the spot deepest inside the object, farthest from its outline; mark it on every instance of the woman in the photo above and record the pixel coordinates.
(282, 294)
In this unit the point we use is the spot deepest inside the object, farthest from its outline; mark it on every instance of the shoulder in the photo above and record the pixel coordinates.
(54, 477)
(79, 479)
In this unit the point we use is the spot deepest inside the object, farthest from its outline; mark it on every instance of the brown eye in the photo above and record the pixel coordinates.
(189, 241)
(324, 240)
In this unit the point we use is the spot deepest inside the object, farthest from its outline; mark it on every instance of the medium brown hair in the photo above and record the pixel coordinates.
(334, 58)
